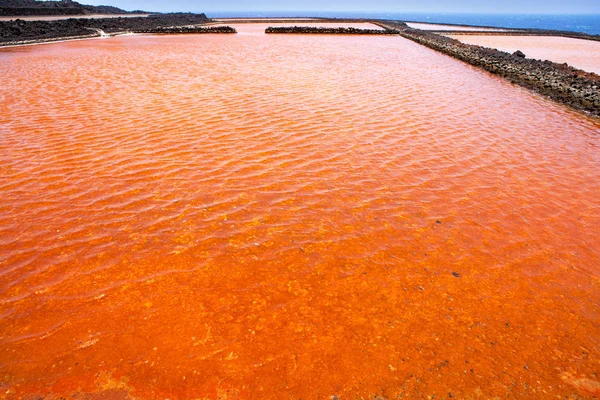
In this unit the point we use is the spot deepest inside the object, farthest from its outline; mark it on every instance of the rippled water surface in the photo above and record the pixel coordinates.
(579, 53)
(273, 216)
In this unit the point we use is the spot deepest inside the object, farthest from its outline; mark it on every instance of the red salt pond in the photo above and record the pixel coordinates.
(259, 28)
(442, 27)
(60, 17)
(288, 216)
(579, 53)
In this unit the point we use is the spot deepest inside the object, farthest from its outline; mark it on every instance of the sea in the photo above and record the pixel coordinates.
(588, 23)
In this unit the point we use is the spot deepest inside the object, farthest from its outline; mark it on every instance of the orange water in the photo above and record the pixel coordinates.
(251, 216)
(579, 53)
(441, 27)
(258, 29)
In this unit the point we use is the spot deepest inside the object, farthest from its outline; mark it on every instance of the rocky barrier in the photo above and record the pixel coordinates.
(446, 28)
(267, 20)
(189, 29)
(560, 82)
(330, 31)
(30, 31)
(32, 11)
(572, 35)
(21, 8)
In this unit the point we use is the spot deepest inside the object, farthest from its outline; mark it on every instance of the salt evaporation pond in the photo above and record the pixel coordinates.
(286, 216)
(442, 27)
(579, 53)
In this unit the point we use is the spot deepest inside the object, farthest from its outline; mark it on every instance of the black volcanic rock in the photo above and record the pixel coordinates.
(19, 30)
(51, 8)
(560, 82)
(188, 29)
(519, 54)
(330, 31)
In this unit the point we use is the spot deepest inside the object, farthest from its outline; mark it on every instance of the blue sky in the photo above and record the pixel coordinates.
(457, 6)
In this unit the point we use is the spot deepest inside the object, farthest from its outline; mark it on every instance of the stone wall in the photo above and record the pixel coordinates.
(20, 30)
(560, 82)
(330, 31)
(189, 29)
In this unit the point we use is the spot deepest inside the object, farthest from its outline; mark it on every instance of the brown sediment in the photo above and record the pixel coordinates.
(560, 82)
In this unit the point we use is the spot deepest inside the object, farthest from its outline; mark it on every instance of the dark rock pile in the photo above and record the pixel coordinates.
(330, 31)
(522, 32)
(189, 29)
(447, 28)
(31, 11)
(60, 7)
(560, 82)
(19, 30)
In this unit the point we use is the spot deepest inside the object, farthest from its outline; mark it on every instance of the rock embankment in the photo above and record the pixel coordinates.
(560, 82)
(330, 31)
(32, 11)
(23, 31)
(22, 8)
(523, 32)
(189, 29)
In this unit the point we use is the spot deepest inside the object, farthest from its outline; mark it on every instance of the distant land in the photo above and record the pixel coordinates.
(62, 7)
